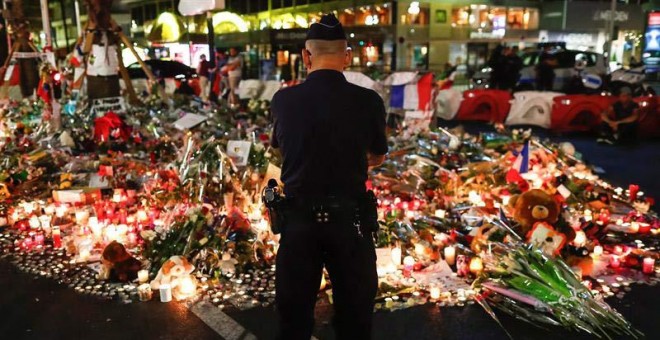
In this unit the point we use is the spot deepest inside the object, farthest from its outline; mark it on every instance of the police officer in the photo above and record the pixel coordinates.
(329, 132)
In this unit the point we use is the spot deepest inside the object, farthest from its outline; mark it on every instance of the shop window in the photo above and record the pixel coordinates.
(460, 16)
(347, 17)
(372, 16)
(417, 14)
(523, 18)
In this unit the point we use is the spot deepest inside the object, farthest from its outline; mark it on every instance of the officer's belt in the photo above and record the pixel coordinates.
(328, 202)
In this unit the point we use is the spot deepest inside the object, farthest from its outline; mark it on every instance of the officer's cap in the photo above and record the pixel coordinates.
(328, 28)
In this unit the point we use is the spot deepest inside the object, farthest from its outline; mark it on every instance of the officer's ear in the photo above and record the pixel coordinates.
(307, 58)
(348, 58)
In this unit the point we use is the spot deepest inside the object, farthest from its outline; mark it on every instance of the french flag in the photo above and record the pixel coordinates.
(415, 96)
(520, 165)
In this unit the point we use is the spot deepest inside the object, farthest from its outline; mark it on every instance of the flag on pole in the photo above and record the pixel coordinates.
(520, 166)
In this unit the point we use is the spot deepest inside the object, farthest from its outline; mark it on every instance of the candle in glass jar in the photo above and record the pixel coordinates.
(57, 238)
(143, 276)
(49, 210)
(450, 255)
(648, 265)
(580, 238)
(34, 222)
(165, 293)
(39, 239)
(84, 255)
(60, 211)
(476, 265)
(644, 228)
(615, 261)
(396, 256)
(408, 262)
(435, 293)
(144, 292)
(440, 213)
(598, 251)
(634, 227)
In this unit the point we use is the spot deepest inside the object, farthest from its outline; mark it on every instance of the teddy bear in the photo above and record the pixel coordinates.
(534, 206)
(171, 272)
(120, 265)
(537, 213)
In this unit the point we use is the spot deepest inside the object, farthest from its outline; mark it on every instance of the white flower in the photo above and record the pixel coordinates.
(148, 235)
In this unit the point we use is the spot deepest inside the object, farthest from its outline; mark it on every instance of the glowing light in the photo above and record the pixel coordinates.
(230, 18)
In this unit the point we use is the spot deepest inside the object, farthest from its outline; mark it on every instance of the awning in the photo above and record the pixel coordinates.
(167, 28)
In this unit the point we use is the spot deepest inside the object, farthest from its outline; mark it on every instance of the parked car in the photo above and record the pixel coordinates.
(594, 63)
(168, 70)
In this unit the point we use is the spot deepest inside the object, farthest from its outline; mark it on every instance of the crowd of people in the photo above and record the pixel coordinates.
(218, 78)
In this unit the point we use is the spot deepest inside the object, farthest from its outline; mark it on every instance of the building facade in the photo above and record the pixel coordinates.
(386, 35)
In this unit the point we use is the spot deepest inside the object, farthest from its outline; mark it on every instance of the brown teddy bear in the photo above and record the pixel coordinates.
(534, 206)
(122, 266)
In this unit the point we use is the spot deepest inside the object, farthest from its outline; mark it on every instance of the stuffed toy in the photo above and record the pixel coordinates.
(228, 265)
(534, 206)
(121, 265)
(172, 271)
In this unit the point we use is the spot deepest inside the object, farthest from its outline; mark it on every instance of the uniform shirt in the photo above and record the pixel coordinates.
(324, 128)
(623, 111)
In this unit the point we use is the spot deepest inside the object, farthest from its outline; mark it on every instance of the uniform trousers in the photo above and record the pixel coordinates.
(305, 248)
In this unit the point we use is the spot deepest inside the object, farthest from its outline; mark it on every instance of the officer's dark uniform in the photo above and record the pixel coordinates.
(324, 128)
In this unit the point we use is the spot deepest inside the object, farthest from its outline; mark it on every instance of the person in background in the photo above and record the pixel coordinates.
(204, 72)
(545, 70)
(619, 122)
(495, 63)
(220, 80)
(511, 66)
(234, 71)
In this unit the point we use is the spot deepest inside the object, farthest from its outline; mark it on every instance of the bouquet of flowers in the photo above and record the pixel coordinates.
(544, 291)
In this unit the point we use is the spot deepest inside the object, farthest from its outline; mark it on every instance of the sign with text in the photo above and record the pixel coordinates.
(110, 104)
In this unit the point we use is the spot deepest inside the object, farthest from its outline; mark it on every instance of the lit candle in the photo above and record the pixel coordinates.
(408, 264)
(580, 238)
(143, 276)
(450, 255)
(57, 239)
(598, 251)
(34, 222)
(419, 249)
(615, 262)
(634, 227)
(165, 293)
(186, 288)
(389, 303)
(396, 256)
(435, 293)
(142, 215)
(81, 216)
(644, 228)
(84, 255)
(618, 250)
(28, 207)
(39, 239)
(505, 200)
(60, 211)
(648, 265)
(144, 292)
(476, 266)
(440, 213)
(588, 215)
(49, 210)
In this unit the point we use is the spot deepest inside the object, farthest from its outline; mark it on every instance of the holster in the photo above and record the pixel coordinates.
(369, 212)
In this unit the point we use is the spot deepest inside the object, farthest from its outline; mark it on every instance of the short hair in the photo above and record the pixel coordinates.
(326, 47)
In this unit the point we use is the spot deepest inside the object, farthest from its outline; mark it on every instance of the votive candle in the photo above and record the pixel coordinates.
(143, 276)
(648, 265)
(598, 251)
(450, 255)
(165, 293)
